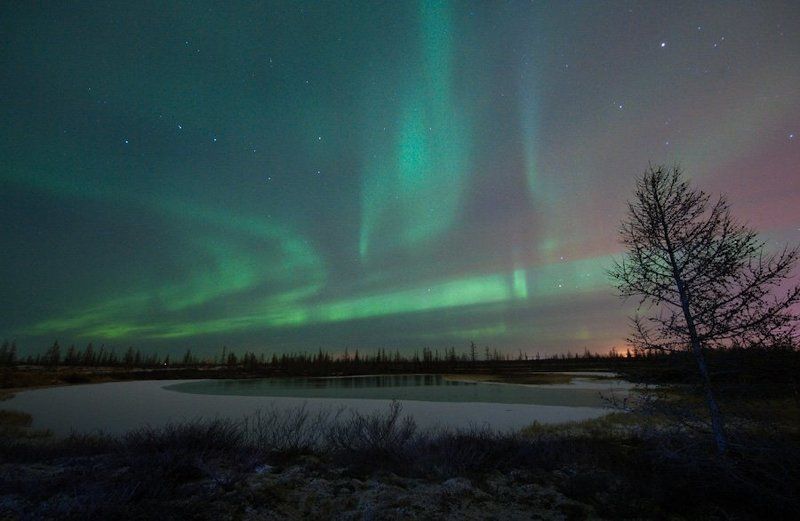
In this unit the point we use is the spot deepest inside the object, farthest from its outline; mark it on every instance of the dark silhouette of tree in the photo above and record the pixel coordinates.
(88, 355)
(129, 357)
(72, 356)
(53, 354)
(703, 279)
(8, 353)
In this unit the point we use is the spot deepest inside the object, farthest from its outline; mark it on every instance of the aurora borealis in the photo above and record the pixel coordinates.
(285, 176)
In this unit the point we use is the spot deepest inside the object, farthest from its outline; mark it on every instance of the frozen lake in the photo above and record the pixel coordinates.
(431, 399)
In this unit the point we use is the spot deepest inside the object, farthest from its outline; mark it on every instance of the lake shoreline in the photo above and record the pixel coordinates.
(116, 407)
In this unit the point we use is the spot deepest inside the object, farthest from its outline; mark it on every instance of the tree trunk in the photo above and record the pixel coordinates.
(717, 424)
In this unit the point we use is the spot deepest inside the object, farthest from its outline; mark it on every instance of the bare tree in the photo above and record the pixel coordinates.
(703, 279)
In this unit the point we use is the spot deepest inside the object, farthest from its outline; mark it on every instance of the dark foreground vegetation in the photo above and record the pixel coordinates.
(349, 466)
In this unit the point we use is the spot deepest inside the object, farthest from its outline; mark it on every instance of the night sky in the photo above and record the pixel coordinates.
(285, 176)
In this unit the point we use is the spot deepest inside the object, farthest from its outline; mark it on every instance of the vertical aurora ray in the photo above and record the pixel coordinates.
(529, 119)
(520, 284)
(543, 194)
(412, 187)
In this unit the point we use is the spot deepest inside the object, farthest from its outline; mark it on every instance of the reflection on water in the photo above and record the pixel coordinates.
(430, 388)
(345, 382)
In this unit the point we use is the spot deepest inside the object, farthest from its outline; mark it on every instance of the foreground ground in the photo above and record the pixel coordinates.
(302, 466)
(380, 467)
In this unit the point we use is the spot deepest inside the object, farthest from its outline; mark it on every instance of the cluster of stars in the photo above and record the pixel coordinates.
(215, 139)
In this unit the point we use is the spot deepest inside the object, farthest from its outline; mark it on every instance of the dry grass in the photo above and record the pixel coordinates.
(16, 425)
(15, 419)
(607, 426)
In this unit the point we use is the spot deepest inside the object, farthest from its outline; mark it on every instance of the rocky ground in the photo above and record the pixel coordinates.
(389, 496)
(303, 490)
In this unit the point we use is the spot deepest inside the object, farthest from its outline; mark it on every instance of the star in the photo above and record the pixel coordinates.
(126, 141)
(791, 135)
(663, 44)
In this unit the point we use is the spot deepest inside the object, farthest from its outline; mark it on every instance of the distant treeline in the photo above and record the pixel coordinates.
(92, 356)
(735, 364)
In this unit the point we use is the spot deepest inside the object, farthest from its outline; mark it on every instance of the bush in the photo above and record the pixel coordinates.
(196, 437)
(292, 431)
(375, 439)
